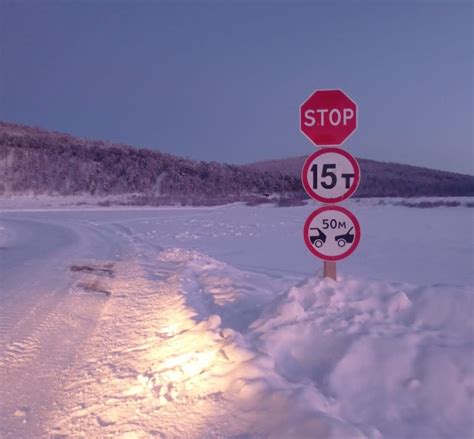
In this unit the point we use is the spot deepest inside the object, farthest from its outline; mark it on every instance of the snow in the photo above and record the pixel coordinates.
(388, 354)
(216, 323)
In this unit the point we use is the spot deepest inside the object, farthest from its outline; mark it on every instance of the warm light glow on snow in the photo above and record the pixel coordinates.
(194, 364)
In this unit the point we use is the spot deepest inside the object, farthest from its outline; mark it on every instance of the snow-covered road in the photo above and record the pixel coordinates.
(37, 310)
(213, 323)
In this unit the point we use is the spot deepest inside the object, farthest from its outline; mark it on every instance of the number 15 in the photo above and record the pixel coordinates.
(326, 172)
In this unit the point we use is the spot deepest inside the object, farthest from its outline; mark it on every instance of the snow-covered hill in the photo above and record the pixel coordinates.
(40, 162)
(215, 323)
(381, 179)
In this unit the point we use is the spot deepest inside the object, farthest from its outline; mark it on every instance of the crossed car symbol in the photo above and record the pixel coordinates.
(319, 239)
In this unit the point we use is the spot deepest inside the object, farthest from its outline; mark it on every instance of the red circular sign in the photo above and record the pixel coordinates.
(328, 117)
(330, 175)
(331, 233)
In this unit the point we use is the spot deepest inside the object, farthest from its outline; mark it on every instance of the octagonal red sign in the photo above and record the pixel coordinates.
(328, 117)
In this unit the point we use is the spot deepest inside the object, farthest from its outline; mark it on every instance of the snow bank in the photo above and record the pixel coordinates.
(352, 359)
(229, 361)
(394, 359)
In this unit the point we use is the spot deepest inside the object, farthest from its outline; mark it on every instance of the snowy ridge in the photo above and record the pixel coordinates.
(353, 359)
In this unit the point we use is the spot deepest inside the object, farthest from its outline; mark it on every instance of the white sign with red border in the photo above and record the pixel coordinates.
(330, 175)
(331, 233)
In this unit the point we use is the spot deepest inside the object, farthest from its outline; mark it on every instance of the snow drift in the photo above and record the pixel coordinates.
(353, 359)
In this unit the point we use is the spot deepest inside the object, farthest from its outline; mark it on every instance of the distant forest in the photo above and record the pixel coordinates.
(380, 179)
(36, 161)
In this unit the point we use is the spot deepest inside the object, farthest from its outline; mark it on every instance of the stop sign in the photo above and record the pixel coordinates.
(328, 117)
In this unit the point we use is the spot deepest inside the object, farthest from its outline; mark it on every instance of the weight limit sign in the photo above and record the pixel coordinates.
(330, 175)
(331, 233)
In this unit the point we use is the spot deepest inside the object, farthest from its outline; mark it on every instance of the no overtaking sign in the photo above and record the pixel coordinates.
(332, 233)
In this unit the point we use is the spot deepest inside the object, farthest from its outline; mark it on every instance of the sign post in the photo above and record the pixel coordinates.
(329, 270)
(330, 175)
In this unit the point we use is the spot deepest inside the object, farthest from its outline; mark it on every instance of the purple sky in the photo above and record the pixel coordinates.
(223, 80)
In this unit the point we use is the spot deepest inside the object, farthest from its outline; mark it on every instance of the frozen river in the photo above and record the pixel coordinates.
(160, 322)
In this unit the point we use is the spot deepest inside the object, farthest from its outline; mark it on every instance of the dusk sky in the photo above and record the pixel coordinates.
(223, 80)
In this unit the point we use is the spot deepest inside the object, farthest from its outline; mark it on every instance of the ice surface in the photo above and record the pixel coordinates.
(215, 323)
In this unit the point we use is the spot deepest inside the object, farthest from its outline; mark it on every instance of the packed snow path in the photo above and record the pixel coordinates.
(124, 327)
(41, 323)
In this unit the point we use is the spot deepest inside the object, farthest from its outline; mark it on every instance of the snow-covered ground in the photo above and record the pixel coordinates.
(215, 323)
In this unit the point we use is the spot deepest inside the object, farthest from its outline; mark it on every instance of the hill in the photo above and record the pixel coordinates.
(33, 160)
(380, 179)
(37, 161)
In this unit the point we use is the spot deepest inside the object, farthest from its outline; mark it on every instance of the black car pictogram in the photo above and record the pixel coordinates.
(319, 239)
(346, 238)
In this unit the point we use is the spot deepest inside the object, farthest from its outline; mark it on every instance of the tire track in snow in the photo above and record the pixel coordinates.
(45, 318)
(23, 348)
(30, 371)
(114, 391)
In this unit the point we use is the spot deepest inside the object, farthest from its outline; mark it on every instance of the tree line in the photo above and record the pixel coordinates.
(33, 160)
